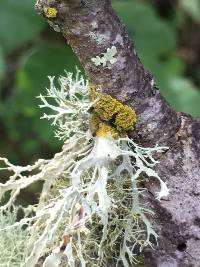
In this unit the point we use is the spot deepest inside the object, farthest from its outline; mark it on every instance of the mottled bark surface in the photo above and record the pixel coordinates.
(90, 27)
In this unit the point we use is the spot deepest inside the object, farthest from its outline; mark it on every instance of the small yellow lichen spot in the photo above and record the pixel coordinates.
(51, 12)
(125, 119)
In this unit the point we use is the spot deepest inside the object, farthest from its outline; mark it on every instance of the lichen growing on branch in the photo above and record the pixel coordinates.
(110, 111)
(105, 58)
(90, 211)
(50, 12)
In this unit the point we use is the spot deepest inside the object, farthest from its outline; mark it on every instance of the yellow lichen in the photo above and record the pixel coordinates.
(51, 12)
(106, 107)
(93, 92)
(106, 130)
(117, 116)
(125, 119)
(94, 122)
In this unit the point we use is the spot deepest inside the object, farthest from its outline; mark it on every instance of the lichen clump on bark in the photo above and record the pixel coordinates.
(110, 111)
(51, 12)
(89, 211)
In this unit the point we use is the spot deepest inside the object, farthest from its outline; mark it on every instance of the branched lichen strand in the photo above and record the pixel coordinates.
(89, 212)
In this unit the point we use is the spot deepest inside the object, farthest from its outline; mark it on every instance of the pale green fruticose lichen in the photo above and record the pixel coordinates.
(13, 241)
(107, 57)
(89, 212)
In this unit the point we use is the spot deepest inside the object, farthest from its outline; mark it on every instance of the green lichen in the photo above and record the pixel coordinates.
(13, 241)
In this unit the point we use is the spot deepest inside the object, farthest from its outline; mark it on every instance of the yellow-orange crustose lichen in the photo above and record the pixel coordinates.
(51, 12)
(93, 92)
(109, 110)
(125, 119)
(105, 130)
(106, 107)
(94, 122)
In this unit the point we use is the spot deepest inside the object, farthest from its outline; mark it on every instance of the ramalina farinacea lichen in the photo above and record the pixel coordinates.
(90, 211)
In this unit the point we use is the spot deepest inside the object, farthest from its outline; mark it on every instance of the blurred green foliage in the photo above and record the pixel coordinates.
(30, 51)
(2, 64)
(19, 23)
(156, 43)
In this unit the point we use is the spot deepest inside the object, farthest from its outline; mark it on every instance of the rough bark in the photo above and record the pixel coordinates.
(177, 219)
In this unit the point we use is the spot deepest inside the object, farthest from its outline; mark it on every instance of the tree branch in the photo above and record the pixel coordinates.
(90, 27)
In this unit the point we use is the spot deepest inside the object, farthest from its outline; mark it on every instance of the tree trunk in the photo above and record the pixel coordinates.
(90, 27)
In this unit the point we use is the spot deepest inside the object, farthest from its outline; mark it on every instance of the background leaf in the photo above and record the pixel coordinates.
(47, 59)
(151, 35)
(156, 43)
(2, 65)
(19, 23)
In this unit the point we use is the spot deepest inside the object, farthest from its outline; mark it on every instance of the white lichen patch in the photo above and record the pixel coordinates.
(90, 209)
(97, 37)
(105, 58)
(70, 105)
